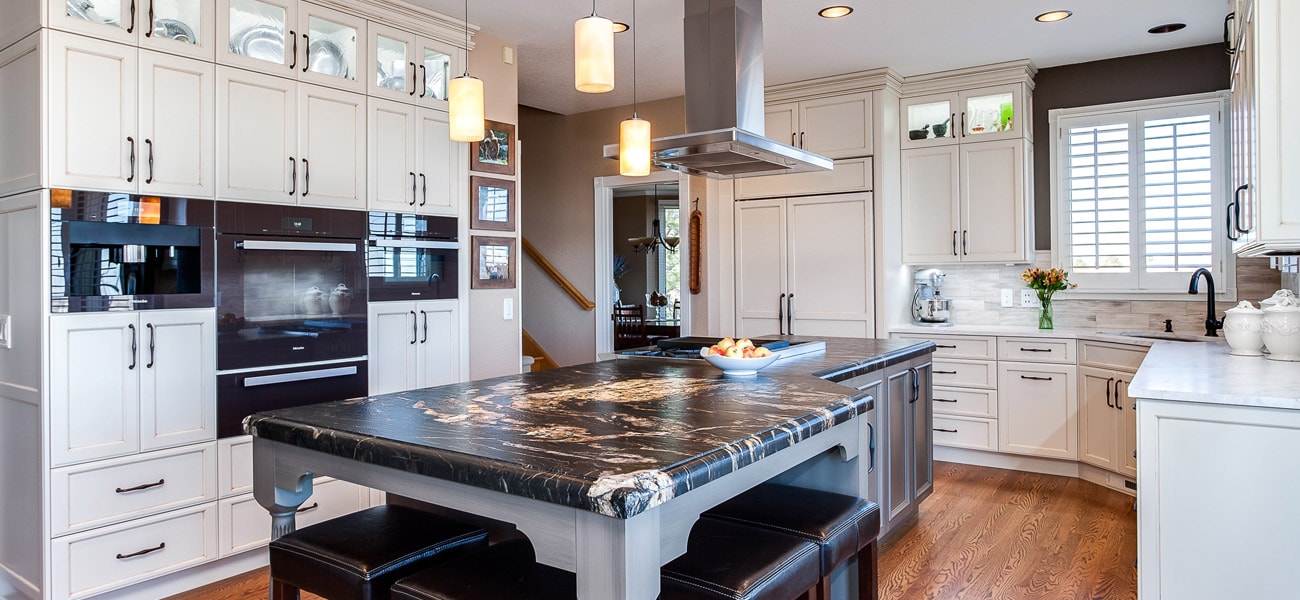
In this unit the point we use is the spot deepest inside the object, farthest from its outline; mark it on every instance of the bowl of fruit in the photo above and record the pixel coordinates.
(738, 358)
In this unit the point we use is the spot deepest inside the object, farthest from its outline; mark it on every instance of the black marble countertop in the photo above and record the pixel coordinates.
(614, 437)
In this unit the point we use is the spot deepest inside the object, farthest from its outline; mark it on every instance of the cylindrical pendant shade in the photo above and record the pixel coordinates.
(634, 147)
(593, 55)
(465, 108)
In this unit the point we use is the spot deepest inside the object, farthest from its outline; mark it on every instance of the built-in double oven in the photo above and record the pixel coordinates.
(291, 308)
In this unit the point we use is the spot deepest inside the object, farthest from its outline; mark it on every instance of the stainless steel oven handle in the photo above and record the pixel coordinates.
(299, 376)
(415, 244)
(296, 246)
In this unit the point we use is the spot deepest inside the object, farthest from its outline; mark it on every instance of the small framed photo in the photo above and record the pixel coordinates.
(496, 152)
(491, 203)
(492, 263)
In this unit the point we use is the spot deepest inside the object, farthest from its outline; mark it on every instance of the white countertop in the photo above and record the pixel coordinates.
(1206, 373)
(1024, 331)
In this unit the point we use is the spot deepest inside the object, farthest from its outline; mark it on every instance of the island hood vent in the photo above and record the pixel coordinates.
(724, 100)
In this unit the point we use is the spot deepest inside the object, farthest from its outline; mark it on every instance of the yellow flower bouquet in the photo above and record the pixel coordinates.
(1045, 283)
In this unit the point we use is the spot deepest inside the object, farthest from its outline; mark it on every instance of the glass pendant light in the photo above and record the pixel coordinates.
(465, 100)
(634, 133)
(593, 53)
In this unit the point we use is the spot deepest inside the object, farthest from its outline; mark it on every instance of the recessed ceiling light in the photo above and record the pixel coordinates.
(1053, 16)
(1167, 28)
(620, 27)
(835, 12)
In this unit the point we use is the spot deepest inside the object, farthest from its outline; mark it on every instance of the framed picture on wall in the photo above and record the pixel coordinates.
(492, 263)
(491, 203)
(496, 152)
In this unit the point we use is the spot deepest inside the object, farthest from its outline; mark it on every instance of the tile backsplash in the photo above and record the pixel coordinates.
(976, 297)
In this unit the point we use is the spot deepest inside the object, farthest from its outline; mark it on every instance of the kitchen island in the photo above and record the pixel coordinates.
(605, 466)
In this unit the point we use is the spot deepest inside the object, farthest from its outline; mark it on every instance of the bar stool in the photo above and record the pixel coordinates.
(359, 556)
(841, 526)
(722, 561)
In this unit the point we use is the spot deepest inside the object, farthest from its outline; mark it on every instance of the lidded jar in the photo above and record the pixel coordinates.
(1243, 326)
(1275, 298)
(1281, 331)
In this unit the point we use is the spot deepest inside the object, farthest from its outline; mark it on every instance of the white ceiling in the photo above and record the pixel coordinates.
(911, 36)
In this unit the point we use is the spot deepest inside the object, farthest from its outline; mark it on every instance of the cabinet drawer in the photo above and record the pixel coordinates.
(966, 432)
(95, 561)
(234, 465)
(1039, 350)
(971, 403)
(94, 494)
(963, 346)
(246, 525)
(965, 373)
(1111, 356)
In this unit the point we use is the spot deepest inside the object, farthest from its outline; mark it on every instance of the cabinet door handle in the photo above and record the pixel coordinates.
(133, 347)
(293, 176)
(412, 78)
(801, 139)
(425, 336)
(414, 325)
(963, 123)
(148, 160)
(306, 177)
(160, 546)
(943, 400)
(945, 346)
(954, 242)
(306, 43)
(1035, 378)
(792, 137)
(294, 64)
(789, 314)
(131, 172)
(1232, 229)
(148, 30)
(952, 131)
(1108, 382)
(780, 313)
(314, 506)
(1236, 207)
(916, 385)
(412, 188)
(143, 486)
(1227, 35)
(944, 430)
(424, 81)
(131, 27)
(152, 335)
(937, 372)
(1117, 404)
(424, 189)
(871, 446)
(965, 234)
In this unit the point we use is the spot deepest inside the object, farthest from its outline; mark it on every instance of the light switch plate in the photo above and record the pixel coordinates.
(1008, 299)
(6, 336)
(508, 309)
(1028, 299)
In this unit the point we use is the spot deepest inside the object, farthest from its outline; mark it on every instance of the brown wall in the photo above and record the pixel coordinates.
(1157, 75)
(562, 155)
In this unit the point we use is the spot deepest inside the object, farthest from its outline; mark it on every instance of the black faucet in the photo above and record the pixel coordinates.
(1212, 325)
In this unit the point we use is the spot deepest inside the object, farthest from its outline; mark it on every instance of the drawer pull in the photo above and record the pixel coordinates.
(950, 347)
(1035, 378)
(314, 505)
(160, 546)
(943, 400)
(945, 430)
(143, 486)
(1035, 350)
(937, 372)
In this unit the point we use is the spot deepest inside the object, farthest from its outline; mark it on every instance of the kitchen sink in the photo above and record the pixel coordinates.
(1163, 335)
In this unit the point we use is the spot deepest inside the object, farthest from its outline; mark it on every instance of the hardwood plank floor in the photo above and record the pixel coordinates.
(984, 534)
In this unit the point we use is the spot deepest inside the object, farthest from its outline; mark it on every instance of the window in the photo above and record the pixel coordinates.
(1137, 189)
(670, 263)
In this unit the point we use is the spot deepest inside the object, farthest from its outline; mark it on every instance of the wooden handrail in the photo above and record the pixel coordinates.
(557, 275)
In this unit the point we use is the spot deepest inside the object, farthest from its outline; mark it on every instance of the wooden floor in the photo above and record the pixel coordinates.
(984, 534)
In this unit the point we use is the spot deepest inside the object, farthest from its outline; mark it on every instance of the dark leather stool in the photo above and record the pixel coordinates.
(842, 526)
(497, 572)
(359, 556)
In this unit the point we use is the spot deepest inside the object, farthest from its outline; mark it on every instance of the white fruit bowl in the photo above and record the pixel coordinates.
(737, 367)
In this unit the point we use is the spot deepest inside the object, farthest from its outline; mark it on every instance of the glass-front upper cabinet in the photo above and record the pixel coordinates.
(991, 113)
(183, 27)
(260, 35)
(409, 68)
(332, 48)
(435, 72)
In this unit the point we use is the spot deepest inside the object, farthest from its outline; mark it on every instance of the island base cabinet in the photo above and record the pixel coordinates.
(908, 442)
(1216, 518)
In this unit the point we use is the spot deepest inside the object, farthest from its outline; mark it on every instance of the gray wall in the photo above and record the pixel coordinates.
(1172, 73)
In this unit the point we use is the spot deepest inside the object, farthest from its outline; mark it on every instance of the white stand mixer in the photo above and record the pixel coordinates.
(928, 307)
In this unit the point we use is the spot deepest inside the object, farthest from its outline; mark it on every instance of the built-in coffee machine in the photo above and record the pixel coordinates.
(928, 306)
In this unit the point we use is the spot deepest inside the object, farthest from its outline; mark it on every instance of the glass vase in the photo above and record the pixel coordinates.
(1044, 311)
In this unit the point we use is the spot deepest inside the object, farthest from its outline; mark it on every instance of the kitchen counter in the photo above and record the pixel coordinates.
(1077, 334)
(615, 437)
(1206, 373)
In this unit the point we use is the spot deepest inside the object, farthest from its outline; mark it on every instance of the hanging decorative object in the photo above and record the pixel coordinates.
(593, 53)
(695, 232)
(465, 100)
(634, 133)
(654, 242)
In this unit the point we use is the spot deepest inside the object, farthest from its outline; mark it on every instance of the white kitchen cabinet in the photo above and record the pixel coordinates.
(245, 524)
(125, 382)
(177, 126)
(184, 27)
(20, 92)
(410, 159)
(332, 49)
(834, 126)
(410, 68)
(331, 147)
(1100, 420)
(1038, 410)
(413, 345)
(804, 266)
(988, 113)
(260, 35)
(967, 203)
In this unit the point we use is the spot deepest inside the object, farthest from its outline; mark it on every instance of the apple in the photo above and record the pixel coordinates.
(714, 349)
(744, 343)
(734, 352)
(748, 352)
(761, 352)
(726, 343)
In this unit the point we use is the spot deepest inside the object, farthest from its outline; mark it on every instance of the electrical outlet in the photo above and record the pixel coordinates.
(6, 335)
(1028, 298)
(1008, 300)
(508, 309)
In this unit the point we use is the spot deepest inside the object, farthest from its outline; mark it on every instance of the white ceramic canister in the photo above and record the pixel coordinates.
(1243, 326)
(314, 301)
(1278, 295)
(340, 299)
(1281, 331)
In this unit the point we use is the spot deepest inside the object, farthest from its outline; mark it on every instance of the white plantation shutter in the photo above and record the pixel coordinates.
(1138, 190)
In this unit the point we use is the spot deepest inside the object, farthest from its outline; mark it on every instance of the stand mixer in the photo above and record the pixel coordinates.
(928, 307)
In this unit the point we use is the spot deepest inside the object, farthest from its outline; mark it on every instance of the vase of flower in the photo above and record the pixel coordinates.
(620, 269)
(1045, 284)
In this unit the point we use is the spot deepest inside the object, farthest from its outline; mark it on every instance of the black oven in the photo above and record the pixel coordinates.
(115, 251)
(411, 257)
(291, 308)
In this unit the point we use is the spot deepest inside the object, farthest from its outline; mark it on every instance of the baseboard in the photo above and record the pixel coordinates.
(1015, 462)
(1106, 479)
(184, 581)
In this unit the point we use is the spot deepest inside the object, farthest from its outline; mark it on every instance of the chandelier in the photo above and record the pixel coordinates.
(653, 243)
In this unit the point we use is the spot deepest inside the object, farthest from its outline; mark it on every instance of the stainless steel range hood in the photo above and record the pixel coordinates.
(724, 100)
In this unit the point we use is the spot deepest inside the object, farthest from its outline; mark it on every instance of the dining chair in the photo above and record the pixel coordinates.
(629, 326)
